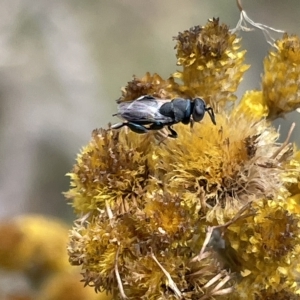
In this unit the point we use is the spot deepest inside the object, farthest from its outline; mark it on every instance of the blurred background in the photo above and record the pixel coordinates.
(62, 64)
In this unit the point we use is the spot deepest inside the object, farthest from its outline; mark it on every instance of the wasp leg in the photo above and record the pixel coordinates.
(173, 134)
(132, 126)
(156, 126)
(137, 128)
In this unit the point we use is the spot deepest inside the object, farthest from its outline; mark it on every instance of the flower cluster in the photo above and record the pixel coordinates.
(33, 250)
(210, 213)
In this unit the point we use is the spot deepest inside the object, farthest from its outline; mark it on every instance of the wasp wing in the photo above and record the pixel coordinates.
(144, 110)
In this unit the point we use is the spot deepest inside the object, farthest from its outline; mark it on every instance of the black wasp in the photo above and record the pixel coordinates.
(150, 113)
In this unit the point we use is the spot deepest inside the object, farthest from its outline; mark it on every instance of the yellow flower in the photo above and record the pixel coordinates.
(137, 243)
(111, 168)
(204, 177)
(266, 247)
(63, 286)
(252, 104)
(294, 178)
(35, 244)
(212, 63)
(281, 77)
(223, 160)
(293, 203)
(209, 213)
(148, 85)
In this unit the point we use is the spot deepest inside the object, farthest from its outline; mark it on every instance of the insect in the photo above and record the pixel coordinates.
(150, 113)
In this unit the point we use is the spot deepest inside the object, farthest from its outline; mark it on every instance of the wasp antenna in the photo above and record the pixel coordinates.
(211, 114)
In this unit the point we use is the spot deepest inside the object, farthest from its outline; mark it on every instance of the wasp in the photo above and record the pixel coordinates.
(149, 113)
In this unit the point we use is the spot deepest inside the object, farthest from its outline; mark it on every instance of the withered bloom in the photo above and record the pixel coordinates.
(212, 63)
(281, 78)
(211, 213)
(150, 84)
(34, 245)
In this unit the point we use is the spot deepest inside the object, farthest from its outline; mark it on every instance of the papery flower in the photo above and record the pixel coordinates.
(34, 247)
(211, 61)
(156, 236)
(266, 246)
(294, 179)
(33, 244)
(281, 78)
(252, 104)
(202, 178)
(153, 85)
(207, 214)
(111, 169)
(63, 286)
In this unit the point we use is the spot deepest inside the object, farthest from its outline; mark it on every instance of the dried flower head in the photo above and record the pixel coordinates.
(212, 63)
(33, 250)
(149, 85)
(111, 170)
(33, 244)
(63, 286)
(281, 78)
(252, 104)
(207, 214)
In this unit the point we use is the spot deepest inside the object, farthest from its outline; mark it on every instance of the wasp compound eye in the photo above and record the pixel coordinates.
(199, 109)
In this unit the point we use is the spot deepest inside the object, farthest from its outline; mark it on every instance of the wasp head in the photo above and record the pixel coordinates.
(200, 109)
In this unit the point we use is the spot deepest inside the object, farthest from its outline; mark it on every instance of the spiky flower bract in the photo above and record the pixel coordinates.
(210, 213)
